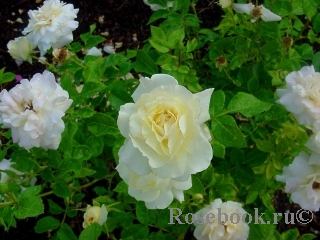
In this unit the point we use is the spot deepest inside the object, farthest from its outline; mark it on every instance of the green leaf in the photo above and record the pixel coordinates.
(136, 231)
(255, 158)
(66, 144)
(290, 234)
(253, 85)
(192, 45)
(23, 160)
(144, 215)
(29, 207)
(316, 23)
(264, 145)
(118, 98)
(310, 8)
(101, 124)
(159, 45)
(47, 175)
(121, 187)
(91, 233)
(61, 189)
(145, 64)
(197, 186)
(305, 51)
(30, 192)
(84, 112)
(66, 233)
(175, 38)
(46, 224)
(226, 131)
(158, 33)
(252, 196)
(91, 88)
(316, 62)
(161, 13)
(54, 208)
(84, 172)
(92, 72)
(218, 149)
(307, 236)
(94, 41)
(261, 231)
(282, 8)
(247, 104)
(6, 77)
(216, 102)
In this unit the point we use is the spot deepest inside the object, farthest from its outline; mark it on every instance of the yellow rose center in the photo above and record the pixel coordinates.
(162, 119)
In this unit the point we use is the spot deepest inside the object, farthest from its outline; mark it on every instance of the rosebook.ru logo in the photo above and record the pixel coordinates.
(190, 218)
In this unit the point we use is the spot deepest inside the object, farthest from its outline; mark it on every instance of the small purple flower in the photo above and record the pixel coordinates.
(18, 79)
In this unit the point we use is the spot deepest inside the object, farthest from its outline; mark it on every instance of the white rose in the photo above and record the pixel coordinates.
(257, 12)
(225, 3)
(157, 193)
(164, 129)
(95, 214)
(302, 95)
(33, 110)
(219, 228)
(51, 25)
(20, 49)
(302, 181)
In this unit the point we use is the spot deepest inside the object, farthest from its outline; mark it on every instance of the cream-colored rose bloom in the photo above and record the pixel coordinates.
(302, 95)
(33, 110)
(165, 130)
(219, 227)
(157, 193)
(20, 49)
(302, 179)
(51, 25)
(95, 214)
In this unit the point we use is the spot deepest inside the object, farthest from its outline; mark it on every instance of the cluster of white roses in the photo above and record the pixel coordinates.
(49, 26)
(302, 98)
(166, 140)
(33, 110)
